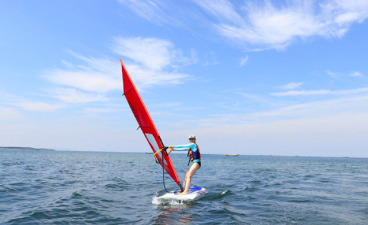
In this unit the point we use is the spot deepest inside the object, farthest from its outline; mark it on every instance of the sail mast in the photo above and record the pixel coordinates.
(146, 124)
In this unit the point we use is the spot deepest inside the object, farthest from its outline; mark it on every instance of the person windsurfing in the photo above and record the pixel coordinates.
(195, 157)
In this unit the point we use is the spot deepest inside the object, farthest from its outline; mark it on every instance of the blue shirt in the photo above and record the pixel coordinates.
(186, 147)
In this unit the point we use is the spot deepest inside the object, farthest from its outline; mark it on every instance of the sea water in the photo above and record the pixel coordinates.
(39, 187)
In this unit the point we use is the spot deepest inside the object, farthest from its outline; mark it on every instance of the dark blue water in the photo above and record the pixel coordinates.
(39, 187)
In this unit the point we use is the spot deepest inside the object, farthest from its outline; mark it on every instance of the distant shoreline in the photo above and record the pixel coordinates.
(26, 149)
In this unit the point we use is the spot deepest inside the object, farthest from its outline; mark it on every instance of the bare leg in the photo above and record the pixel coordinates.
(188, 175)
(185, 179)
(184, 183)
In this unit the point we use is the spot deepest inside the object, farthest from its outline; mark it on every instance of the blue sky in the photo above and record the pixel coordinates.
(248, 77)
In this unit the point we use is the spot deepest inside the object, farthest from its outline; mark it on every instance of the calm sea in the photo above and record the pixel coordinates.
(38, 187)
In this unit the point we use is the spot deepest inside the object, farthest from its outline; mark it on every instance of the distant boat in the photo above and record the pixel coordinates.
(149, 152)
(233, 155)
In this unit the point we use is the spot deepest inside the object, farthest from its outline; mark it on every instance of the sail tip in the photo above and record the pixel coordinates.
(121, 62)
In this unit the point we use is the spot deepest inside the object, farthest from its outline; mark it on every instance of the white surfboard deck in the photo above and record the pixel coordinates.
(194, 193)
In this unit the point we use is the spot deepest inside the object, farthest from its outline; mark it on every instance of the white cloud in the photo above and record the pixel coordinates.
(346, 11)
(101, 110)
(85, 80)
(315, 109)
(7, 114)
(337, 75)
(243, 61)
(153, 11)
(29, 105)
(221, 9)
(152, 59)
(275, 24)
(357, 74)
(169, 104)
(320, 92)
(67, 64)
(294, 93)
(332, 74)
(262, 25)
(155, 61)
(74, 96)
(144, 78)
(38, 106)
(310, 110)
(254, 97)
(150, 52)
(292, 85)
(95, 75)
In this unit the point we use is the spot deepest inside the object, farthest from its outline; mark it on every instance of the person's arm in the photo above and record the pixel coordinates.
(182, 147)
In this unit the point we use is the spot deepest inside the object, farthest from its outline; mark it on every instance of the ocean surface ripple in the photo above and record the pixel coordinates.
(39, 187)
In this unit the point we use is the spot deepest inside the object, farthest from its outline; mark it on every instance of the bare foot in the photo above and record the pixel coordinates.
(184, 193)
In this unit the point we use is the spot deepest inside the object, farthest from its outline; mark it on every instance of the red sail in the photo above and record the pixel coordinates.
(145, 122)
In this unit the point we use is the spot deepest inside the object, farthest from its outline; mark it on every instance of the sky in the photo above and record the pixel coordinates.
(246, 77)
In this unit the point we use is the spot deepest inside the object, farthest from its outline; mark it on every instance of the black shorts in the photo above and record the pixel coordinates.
(199, 163)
